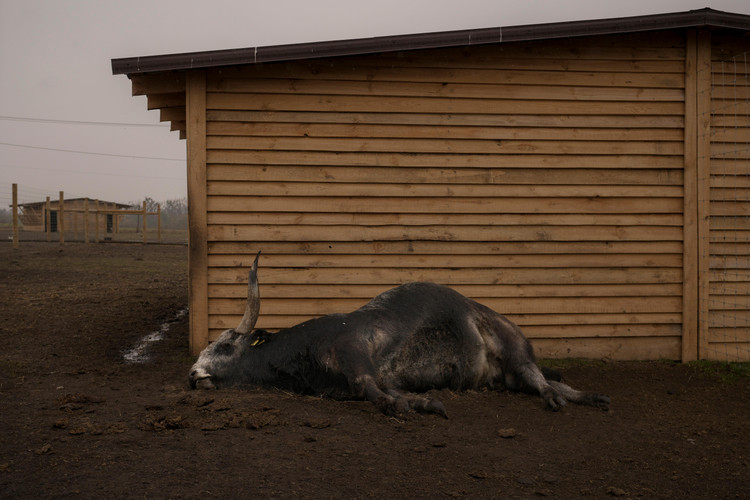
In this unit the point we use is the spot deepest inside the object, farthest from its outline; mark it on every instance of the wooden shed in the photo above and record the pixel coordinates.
(36, 216)
(590, 179)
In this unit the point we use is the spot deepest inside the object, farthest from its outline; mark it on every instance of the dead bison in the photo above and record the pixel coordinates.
(410, 339)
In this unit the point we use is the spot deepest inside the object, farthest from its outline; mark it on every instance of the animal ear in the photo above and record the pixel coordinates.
(252, 308)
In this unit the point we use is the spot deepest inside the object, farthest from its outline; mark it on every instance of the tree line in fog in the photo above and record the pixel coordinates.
(173, 214)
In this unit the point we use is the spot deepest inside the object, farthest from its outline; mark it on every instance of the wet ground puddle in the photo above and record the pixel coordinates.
(139, 353)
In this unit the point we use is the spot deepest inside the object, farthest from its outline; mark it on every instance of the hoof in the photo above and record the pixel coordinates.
(435, 406)
(393, 406)
(554, 401)
(599, 400)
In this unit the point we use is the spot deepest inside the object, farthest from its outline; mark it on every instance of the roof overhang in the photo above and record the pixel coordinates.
(254, 55)
(162, 78)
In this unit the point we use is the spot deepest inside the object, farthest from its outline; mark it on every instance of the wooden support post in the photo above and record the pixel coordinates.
(197, 207)
(15, 216)
(690, 257)
(697, 175)
(145, 238)
(61, 218)
(48, 218)
(158, 222)
(703, 176)
(86, 220)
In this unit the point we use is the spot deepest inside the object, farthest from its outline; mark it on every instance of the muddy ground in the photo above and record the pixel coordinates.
(77, 420)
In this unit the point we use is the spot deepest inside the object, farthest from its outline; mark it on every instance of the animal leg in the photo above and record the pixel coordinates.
(555, 394)
(580, 397)
(357, 367)
(393, 402)
(531, 379)
(365, 386)
(420, 404)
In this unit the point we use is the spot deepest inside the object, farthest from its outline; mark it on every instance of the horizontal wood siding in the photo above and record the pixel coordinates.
(542, 179)
(728, 322)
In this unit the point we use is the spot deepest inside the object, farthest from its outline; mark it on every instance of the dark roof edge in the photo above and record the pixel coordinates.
(68, 200)
(253, 55)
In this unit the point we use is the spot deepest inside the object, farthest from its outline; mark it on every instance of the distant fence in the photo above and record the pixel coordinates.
(84, 219)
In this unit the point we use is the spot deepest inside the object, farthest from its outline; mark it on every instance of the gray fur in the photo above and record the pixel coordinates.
(410, 339)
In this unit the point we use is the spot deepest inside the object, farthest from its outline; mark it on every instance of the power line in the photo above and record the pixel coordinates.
(90, 152)
(80, 122)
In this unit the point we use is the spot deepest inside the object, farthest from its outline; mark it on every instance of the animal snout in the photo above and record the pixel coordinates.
(200, 379)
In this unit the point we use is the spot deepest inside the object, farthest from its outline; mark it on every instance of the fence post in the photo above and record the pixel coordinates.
(86, 220)
(15, 216)
(158, 222)
(61, 218)
(96, 221)
(145, 239)
(48, 219)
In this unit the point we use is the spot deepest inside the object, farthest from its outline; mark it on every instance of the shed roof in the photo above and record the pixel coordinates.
(253, 55)
(36, 204)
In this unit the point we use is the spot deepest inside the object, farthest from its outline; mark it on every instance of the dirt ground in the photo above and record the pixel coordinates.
(78, 420)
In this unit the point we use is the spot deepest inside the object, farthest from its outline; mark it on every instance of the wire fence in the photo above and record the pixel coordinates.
(38, 216)
(26, 194)
(726, 326)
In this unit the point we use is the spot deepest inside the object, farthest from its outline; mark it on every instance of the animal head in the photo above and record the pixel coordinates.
(219, 364)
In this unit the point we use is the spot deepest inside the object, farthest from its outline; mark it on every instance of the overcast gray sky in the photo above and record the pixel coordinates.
(59, 101)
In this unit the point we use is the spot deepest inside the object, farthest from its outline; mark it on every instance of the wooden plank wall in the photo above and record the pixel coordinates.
(728, 328)
(543, 179)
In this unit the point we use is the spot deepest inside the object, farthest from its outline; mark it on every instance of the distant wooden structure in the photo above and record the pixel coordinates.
(90, 216)
(563, 174)
(39, 216)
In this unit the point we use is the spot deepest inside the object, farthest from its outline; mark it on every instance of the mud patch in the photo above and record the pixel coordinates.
(140, 353)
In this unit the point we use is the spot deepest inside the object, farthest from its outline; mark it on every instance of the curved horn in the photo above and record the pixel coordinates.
(253, 301)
